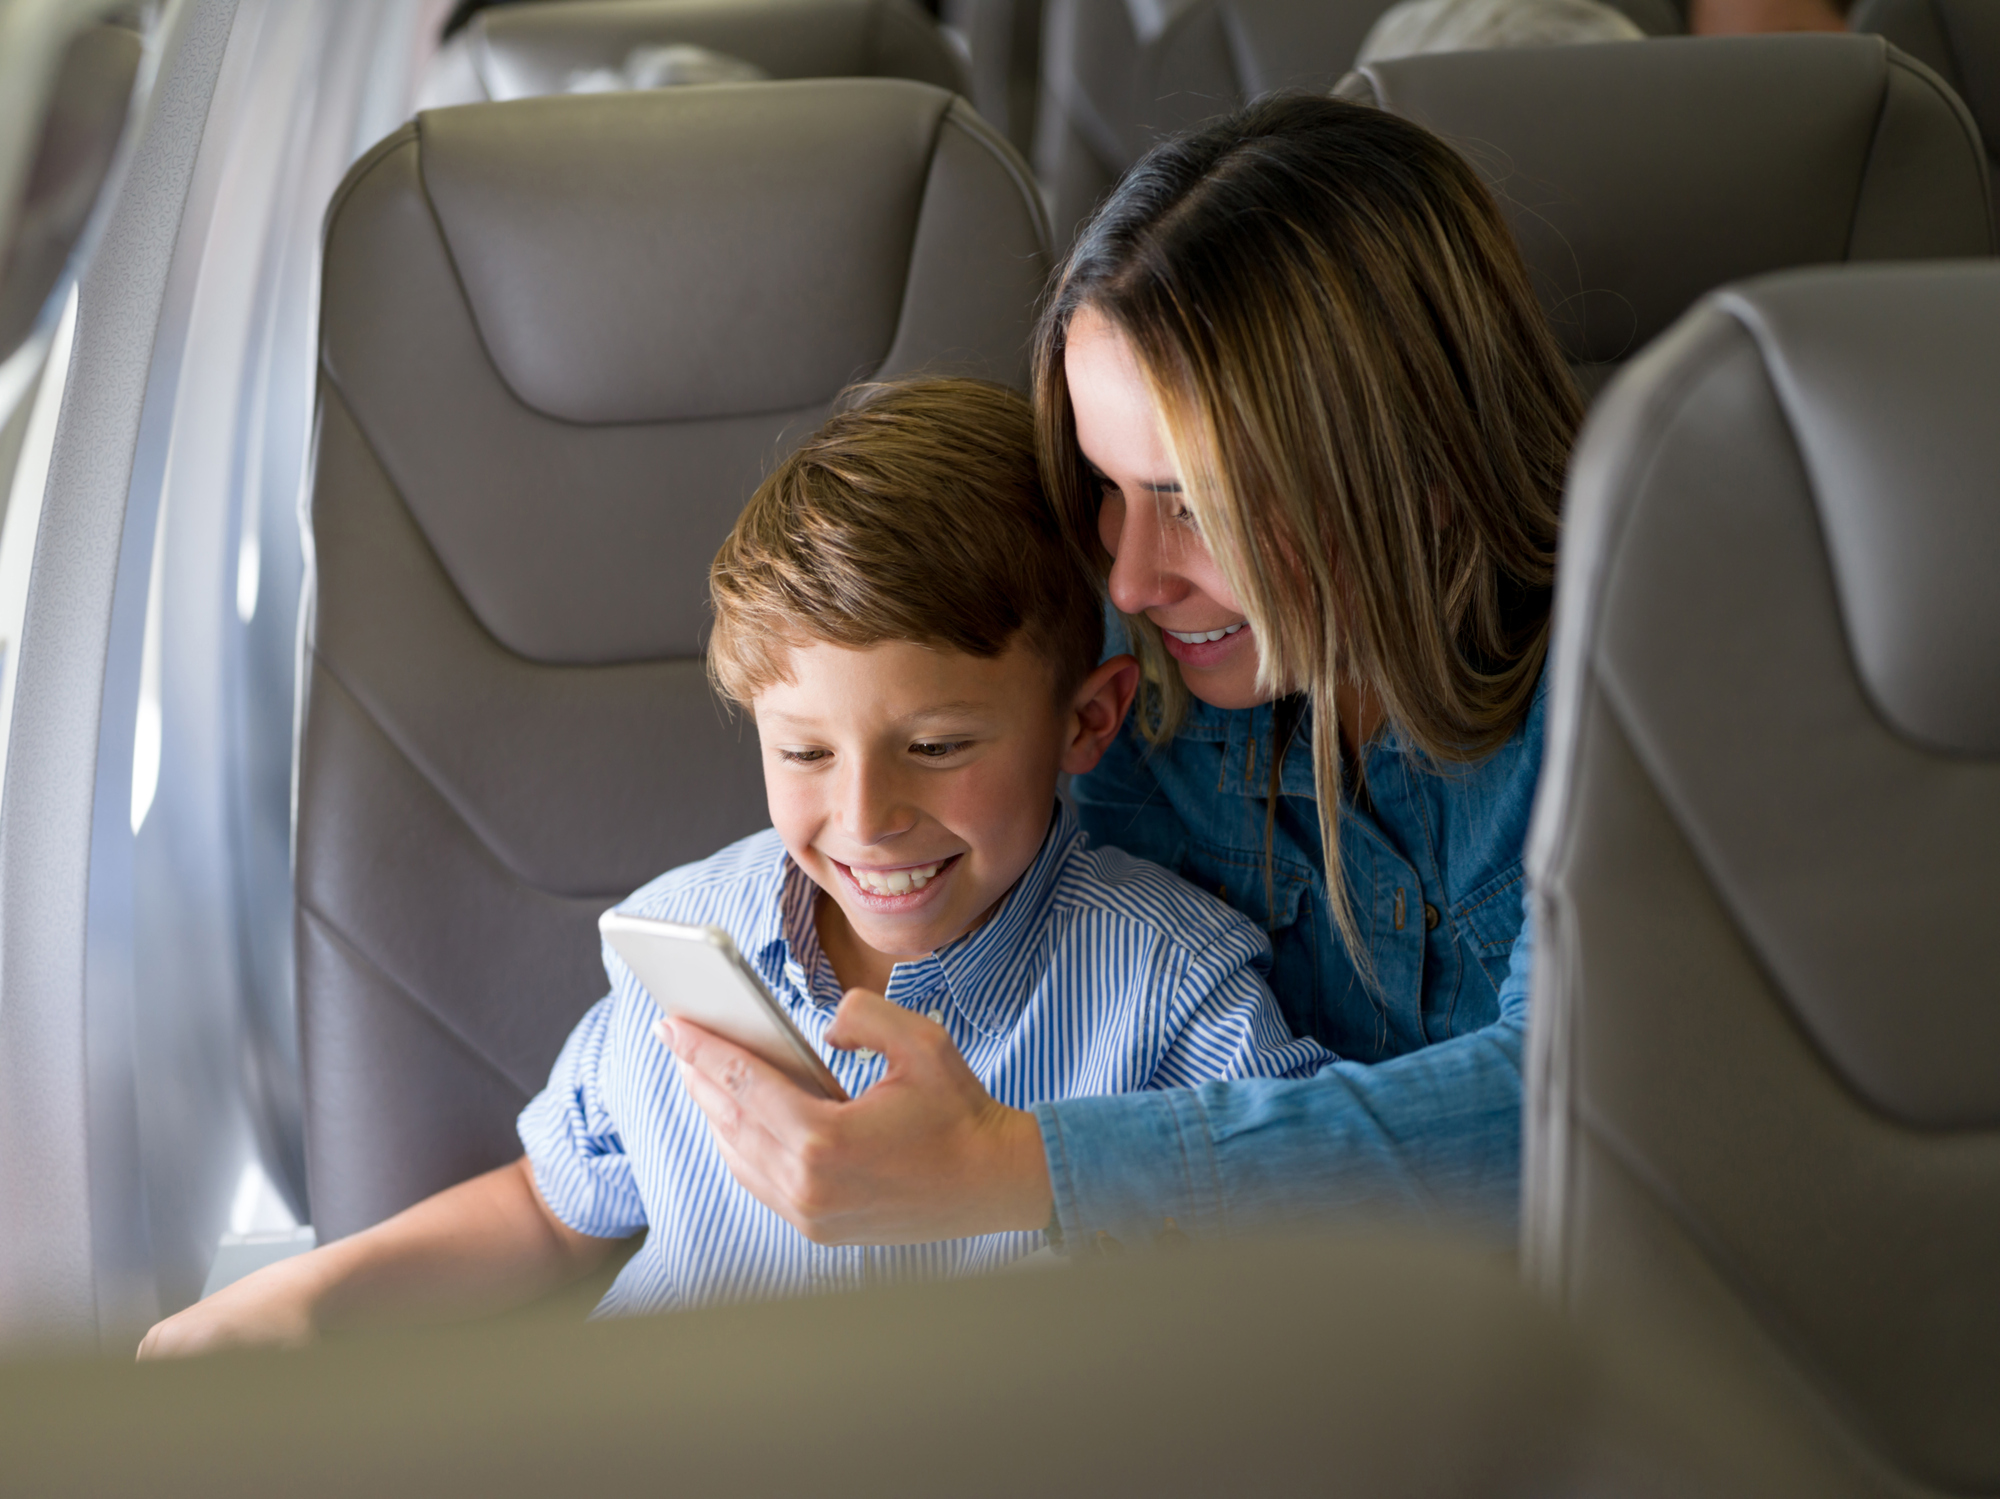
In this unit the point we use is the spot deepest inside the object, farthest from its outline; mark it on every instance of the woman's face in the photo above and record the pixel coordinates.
(1160, 566)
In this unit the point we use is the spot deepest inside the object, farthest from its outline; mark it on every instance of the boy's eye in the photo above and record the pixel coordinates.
(936, 749)
(802, 757)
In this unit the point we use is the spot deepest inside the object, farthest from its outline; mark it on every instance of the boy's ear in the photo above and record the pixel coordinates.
(1097, 710)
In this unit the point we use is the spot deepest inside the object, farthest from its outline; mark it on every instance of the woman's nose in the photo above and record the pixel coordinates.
(1141, 574)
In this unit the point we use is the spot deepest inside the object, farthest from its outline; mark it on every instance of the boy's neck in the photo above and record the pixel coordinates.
(855, 964)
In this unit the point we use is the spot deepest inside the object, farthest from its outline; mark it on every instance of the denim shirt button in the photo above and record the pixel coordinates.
(1431, 917)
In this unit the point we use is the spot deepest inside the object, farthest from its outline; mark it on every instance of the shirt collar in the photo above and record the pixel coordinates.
(988, 973)
(991, 970)
(781, 940)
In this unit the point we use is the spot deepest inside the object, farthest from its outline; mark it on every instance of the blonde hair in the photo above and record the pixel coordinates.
(916, 514)
(1368, 411)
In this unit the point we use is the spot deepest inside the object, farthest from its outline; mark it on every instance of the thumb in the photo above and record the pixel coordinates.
(867, 1021)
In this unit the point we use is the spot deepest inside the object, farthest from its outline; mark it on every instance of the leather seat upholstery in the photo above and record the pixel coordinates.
(562, 339)
(1639, 176)
(1959, 40)
(1119, 74)
(1764, 1099)
(518, 51)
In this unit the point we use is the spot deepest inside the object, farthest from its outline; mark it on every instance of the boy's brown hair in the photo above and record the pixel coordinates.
(915, 513)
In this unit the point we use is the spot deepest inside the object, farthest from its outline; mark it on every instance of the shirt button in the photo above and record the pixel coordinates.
(937, 1015)
(865, 1053)
(1431, 917)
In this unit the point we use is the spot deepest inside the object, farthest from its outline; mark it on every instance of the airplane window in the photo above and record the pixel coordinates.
(24, 498)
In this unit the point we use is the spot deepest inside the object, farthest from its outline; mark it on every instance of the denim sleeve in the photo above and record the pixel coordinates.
(1120, 804)
(1434, 1133)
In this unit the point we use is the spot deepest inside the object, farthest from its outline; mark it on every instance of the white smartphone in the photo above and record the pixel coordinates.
(695, 973)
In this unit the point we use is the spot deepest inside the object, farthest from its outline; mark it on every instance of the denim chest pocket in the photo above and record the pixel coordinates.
(1490, 919)
(1238, 877)
(1315, 987)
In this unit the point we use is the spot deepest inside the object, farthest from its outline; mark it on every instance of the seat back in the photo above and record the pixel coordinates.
(561, 341)
(1764, 1097)
(1119, 74)
(1957, 39)
(1638, 176)
(519, 51)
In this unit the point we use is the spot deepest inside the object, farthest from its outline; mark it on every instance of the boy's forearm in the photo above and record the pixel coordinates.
(482, 1246)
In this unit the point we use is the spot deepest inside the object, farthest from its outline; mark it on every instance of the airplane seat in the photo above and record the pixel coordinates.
(1120, 74)
(1004, 41)
(523, 50)
(1636, 177)
(1764, 1106)
(562, 339)
(1959, 40)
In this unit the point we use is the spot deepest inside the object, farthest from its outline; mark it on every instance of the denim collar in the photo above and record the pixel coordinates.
(986, 975)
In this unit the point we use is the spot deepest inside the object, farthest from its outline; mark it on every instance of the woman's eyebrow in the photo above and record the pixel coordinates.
(1161, 486)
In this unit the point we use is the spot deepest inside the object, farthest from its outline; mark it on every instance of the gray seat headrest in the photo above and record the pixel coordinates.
(684, 271)
(1959, 40)
(1906, 472)
(518, 51)
(1639, 175)
(1120, 74)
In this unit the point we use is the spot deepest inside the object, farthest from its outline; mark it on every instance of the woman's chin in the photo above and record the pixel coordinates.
(1228, 683)
(1222, 673)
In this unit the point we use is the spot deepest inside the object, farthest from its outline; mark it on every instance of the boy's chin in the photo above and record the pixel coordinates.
(905, 938)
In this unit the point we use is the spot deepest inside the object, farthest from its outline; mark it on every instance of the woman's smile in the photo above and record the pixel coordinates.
(1204, 650)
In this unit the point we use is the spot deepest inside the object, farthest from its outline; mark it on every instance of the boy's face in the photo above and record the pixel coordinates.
(914, 785)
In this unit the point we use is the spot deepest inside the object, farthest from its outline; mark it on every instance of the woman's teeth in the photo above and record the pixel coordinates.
(1196, 637)
(896, 881)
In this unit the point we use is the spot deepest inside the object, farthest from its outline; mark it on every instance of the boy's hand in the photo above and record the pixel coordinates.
(272, 1308)
(926, 1153)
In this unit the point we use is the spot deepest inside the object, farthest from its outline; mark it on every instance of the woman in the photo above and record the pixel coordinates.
(1297, 399)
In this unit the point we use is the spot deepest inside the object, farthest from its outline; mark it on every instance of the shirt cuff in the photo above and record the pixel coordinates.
(1131, 1171)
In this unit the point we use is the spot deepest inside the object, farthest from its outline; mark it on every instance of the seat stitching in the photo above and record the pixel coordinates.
(442, 792)
(351, 946)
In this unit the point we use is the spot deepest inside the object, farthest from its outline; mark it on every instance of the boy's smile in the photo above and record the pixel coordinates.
(914, 785)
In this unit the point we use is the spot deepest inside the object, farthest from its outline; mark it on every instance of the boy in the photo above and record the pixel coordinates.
(897, 610)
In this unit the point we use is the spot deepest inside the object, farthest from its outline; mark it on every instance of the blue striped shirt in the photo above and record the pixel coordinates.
(1098, 973)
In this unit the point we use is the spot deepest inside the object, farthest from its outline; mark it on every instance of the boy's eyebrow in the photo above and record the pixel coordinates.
(928, 711)
(1161, 486)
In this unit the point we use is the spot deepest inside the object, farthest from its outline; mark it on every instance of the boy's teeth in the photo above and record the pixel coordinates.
(1196, 637)
(896, 881)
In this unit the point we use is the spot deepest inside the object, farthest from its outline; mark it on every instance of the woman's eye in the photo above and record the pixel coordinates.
(1187, 518)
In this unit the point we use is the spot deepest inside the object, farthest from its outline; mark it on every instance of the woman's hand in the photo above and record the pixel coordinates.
(273, 1308)
(926, 1153)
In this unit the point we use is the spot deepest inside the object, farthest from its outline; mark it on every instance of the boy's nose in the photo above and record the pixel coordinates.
(872, 809)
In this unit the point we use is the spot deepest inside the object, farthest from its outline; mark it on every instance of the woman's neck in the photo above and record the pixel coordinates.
(1360, 714)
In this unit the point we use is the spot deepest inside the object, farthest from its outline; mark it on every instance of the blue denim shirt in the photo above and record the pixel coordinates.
(1423, 1111)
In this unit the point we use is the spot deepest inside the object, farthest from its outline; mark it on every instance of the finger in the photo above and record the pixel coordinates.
(866, 1019)
(758, 1089)
(736, 1133)
(746, 1148)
